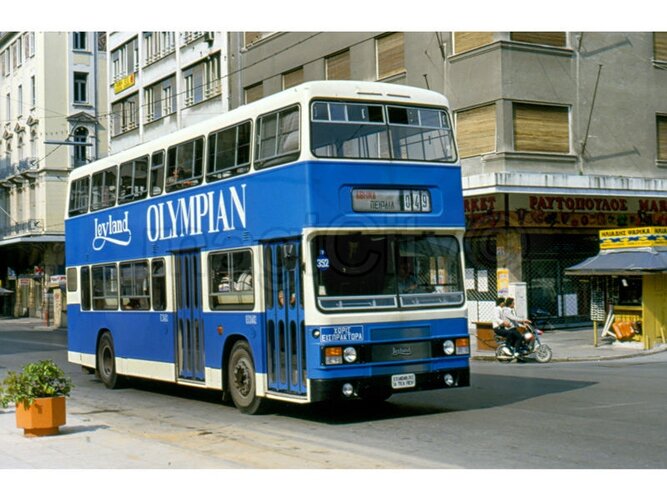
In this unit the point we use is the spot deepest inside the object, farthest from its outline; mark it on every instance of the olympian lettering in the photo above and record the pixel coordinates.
(193, 215)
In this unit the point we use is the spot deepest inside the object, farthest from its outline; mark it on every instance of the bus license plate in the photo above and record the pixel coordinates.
(403, 381)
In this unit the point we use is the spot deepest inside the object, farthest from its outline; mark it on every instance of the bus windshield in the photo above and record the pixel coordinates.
(381, 132)
(356, 271)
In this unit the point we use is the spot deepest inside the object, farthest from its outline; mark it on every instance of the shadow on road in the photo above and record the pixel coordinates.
(487, 391)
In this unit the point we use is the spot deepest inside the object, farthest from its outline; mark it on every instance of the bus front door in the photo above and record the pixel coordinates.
(189, 324)
(286, 350)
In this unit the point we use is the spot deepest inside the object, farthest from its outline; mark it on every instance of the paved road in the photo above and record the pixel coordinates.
(587, 415)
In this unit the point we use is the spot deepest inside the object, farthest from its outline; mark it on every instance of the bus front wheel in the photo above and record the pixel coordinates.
(106, 362)
(241, 380)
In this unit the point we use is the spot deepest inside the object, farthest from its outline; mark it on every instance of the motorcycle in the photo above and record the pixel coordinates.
(531, 345)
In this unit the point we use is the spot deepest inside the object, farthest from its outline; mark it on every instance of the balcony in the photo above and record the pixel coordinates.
(31, 226)
(10, 171)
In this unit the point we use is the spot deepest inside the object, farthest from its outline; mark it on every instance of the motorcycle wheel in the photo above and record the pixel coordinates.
(543, 353)
(501, 356)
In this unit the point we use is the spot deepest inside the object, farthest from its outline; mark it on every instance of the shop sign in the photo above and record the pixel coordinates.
(633, 237)
(503, 281)
(562, 211)
(124, 83)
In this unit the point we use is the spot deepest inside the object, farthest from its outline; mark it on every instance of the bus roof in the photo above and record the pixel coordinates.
(336, 89)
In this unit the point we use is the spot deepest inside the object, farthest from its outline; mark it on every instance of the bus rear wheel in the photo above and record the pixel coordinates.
(241, 380)
(106, 362)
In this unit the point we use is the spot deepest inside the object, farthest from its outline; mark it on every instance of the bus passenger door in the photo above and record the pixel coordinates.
(189, 324)
(285, 329)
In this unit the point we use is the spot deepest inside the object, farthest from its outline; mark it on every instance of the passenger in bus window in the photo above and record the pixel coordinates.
(174, 177)
(407, 282)
(244, 282)
(224, 284)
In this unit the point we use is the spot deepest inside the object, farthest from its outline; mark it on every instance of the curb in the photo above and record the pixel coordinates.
(570, 359)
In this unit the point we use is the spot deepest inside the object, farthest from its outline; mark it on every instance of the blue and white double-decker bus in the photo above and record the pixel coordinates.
(304, 247)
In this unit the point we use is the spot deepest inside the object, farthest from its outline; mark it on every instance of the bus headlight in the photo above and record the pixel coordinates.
(448, 347)
(350, 354)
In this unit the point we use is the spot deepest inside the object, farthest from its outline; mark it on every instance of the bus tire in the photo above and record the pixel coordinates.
(241, 380)
(106, 362)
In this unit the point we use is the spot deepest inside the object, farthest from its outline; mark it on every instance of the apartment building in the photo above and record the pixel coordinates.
(560, 135)
(52, 91)
(161, 81)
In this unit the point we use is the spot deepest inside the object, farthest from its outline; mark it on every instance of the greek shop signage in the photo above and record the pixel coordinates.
(547, 211)
(354, 333)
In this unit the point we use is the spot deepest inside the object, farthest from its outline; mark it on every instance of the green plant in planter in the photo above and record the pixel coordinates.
(42, 379)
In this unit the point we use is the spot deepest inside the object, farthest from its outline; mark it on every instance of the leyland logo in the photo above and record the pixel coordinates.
(115, 231)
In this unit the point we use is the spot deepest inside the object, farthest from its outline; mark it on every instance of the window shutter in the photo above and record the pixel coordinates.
(554, 38)
(292, 78)
(476, 131)
(662, 138)
(390, 55)
(660, 46)
(541, 128)
(338, 66)
(254, 93)
(469, 40)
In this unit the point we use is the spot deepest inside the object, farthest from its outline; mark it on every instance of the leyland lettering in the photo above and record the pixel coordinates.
(209, 212)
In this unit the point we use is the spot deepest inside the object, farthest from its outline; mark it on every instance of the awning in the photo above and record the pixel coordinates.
(630, 261)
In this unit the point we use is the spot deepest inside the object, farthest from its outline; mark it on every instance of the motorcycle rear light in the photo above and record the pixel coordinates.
(463, 346)
(333, 355)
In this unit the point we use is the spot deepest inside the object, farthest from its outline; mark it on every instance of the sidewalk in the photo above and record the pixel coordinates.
(576, 345)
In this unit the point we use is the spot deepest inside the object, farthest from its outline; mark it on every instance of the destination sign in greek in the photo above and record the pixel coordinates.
(391, 200)
(354, 333)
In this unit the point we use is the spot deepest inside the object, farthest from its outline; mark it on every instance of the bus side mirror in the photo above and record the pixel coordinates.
(289, 256)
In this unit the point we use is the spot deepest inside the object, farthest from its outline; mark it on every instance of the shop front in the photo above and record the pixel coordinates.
(629, 284)
(534, 238)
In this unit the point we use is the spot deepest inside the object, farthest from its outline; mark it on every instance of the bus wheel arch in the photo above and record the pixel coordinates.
(240, 377)
(105, 360)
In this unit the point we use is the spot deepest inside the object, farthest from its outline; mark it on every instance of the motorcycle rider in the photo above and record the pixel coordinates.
(509, 315)
(503, 327)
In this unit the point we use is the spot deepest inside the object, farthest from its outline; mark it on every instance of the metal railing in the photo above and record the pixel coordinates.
(9, 169)
(31, 226)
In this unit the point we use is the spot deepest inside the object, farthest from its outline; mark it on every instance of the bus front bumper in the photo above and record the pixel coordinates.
(384, 385)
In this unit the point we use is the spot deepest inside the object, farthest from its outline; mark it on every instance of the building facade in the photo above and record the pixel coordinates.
(52, 92)
(162, 81)
(560, 135)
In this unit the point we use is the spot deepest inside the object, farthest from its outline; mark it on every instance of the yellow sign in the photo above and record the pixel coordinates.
(633, 237)
(503, 281)
(124, 83)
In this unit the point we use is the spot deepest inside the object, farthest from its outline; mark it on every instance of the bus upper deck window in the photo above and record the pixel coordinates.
(277, 138)
(157, 173)
(104, 189)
